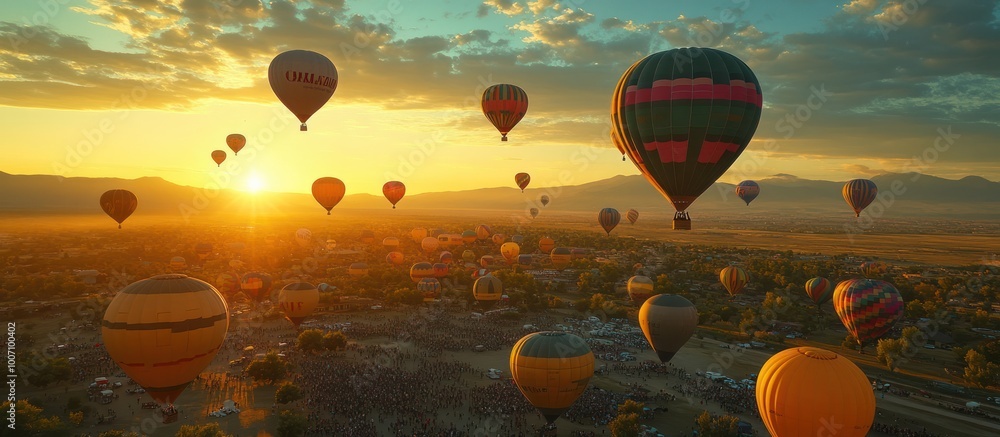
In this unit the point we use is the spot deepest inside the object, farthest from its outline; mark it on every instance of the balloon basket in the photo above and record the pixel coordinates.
(683, 224)
(302, 127)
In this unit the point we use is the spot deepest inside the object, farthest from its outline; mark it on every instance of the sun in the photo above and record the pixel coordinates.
(255, 183)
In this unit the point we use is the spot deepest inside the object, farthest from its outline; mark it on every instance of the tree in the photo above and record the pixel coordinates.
(76, 417)
(32, 421)
(979, 371)
(625, 425)
(118, 433)
(291, 424)
(310, 340)
(55, 370)
(710, 425)
(206, 430)
(630, 406)
(271, 368)
(288, 392)
(890, 352)
(335, 341)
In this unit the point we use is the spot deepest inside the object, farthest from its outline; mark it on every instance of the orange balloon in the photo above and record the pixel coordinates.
(808, 391)
(394, 191)
(164, 330)
(328, 192)
(236, 142)
(218, 156)
(298, 300)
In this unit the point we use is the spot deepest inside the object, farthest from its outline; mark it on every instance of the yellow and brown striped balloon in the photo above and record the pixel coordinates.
(552, 370)
(487, 290)
(164, 330)
(298, 300)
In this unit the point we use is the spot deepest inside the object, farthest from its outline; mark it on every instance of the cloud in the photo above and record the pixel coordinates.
(540, 6)
(505, 7)
(862, 170)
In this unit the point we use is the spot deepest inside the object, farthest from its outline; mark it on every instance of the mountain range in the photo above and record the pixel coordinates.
(906, 194)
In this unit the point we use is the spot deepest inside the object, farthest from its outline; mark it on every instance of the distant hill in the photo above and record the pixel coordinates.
(918, 195)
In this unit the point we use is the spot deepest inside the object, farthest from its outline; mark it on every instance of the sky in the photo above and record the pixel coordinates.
(114, 88)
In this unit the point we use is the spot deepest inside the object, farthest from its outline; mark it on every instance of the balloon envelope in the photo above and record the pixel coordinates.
(236, 142)
(552, 370)
(546, 244)
(820, 290)
(667, 321)
(639, 289)
(632, 215)
(808, 391)
(510, 251)
(118, 204)
(868, 308)
(483, 232)
(328, 192)
(393, 191)
(256, 285)
(683, 116)
(504, 105)
(608, 218)
(164, 330)
(522, 180)
(859, 193)
(544, 199)
(487, 290)
(303, 81)
(734, 279)
(219, 157)
(748, 191)
(298, 300)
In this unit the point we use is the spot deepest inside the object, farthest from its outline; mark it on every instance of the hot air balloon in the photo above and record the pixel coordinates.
(390, 242)
(787, 390)
(522, 180)
(504, 105)
(868, 308)
(487, 290)
(668, 321)
(328, 192)
(734, 279)
(219, 157)
(872, 269)
(639, 288)
(820, 290)
(498, 238)
(683, 116)
(533, 212)
(163, 331)
(561, 257)
(367, 236)
(203, 250)
(748, 191)
(632, 215)
(483, 232)
(445, 257)
(118, 204)
(859, 193)
(303, 80)
(546, 244)
(256, 285)
(517, 238)
(486, 261)
(418, 235)
(524, 261)
(393, 191)
(331, 244)
(228, 284)
(298, 300)
(420, 271)
(357, 269)
(552, 369)
(303, 236)
(429, 244)
(436, 232)
(178, 263)
(430, 287)
(236, 143)
(510, 251)
(469, 236)
(439, 270)
(395, 258)
(544, 200)
(469, 256)
(323, 287)
(608, 218)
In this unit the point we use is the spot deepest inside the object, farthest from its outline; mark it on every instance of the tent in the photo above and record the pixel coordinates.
(101, 381)
(972, 404)
(107, 393)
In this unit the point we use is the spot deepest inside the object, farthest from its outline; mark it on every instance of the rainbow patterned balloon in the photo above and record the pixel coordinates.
(868, 308)
(820, 290)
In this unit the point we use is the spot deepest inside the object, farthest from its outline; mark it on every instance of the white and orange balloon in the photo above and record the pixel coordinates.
(303, 80)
